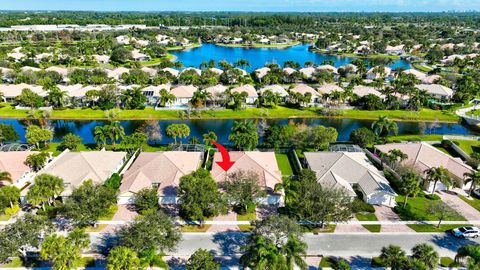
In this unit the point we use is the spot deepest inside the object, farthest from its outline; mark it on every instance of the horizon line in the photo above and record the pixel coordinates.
(232, 11)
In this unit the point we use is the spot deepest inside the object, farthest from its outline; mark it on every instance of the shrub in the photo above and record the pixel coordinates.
(330, 112)
(70, 141)
(377, 262)
(359, 206)
(12, 210)
(113, 182)
(433, 197)
(446, 143)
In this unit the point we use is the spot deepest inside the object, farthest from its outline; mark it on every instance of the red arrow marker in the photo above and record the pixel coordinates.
(225, 164)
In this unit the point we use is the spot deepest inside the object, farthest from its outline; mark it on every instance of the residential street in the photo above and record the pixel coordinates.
(343, 245)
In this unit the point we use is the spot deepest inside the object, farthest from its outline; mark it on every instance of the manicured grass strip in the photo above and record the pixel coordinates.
(5, 217)
(369, 217)
(87, 262)
(98, 228)
(278, 112)
(195, 228)
(259, 45)
(433, 228)
(14, 263)
(418, 209)
(246, 217)
(474, 202)
(111, 212)
(284, 164)
(330, 228)
(326, 262)
(448, 262)
(469, 146)
(427, 137)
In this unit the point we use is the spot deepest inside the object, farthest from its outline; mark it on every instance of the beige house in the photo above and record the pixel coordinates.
(423, 156)
(361, 91)
(76, 167)
(14, 163)
(160, 170)
(436, 90)
(303, 89)
(264, 164)
(252, 95)
(351, 171)
(183, 94)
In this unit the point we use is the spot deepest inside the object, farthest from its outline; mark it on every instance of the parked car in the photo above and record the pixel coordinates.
(466, 232)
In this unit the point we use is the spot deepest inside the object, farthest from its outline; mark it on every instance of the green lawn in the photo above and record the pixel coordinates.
(98, 228)
(260, 45)
(448, 262)
(53, 147)
(111, 212)
(469, 146)
(369, 217)
(330, 228)
(4, 217)
(474, 202)
(418, 209)
(87, 262)
(427, 137)
(246, 217)
(370, 56)
(433, 228)
(15, 263)
(284, 164)
(421, 67)
(278, 112)
(326, 262)
(195, 228)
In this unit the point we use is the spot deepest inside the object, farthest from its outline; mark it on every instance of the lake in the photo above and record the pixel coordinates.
(222, 127)
(258, 57)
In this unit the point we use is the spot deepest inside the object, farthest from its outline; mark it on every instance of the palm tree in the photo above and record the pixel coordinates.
(287, 185)
(115, 132)
(165, 97)
(393, 257)
(208, 140)
(383, 127)
(56, 97)
(100, 135)
(244, 135)
(473, 177)
(262, 254)
(122, 258)
(242, 63)
(426, 254)
(396, 156)
(438, 174)
(471, 253)
(150, 258)
(6, 176)
(294, 249)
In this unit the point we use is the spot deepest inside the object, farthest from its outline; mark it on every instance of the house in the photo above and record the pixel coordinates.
(12, 91)
(59, 70)
(76, 167)
(351, 171)
(289, 70)
(436, 90)
(198, 71)
(101, 59)
(123, 40)
(152, 92)
(216, 71)
(252, 95)
(30, 69)
(159, 170)
(328, 88)
(172, 71)
(14, 163)
(395, 50)
(117, 73)
(377, 73)
(261, 72)
(183, 95)
(307, 72)
(423, 77)
(361, 91)
(329, 68)
(138, 56)
(16, 54)
(151, 71)
(263, 164)
(423, 156)
(304, 89)
(276, 89)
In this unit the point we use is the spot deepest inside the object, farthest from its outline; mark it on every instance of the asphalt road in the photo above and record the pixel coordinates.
(344, 245)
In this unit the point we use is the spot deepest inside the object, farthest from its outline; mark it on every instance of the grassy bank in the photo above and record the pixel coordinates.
(425, 115)
(259, 45)
(179, 48)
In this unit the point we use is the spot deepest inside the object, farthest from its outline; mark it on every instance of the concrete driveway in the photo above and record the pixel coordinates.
(453, 200)
(384, 213)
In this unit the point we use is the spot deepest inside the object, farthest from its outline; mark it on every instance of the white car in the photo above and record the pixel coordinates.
(466, 232)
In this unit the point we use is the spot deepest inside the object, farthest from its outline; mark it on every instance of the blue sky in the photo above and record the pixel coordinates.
(243, 5)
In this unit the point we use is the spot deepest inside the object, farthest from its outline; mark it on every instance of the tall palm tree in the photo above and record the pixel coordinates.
(100, 135)
(165, 97)
(56, 97)
(262, 254)
(426, 254)
(393, 257)
(383, 127)
(473, 177)
(208, 140)
(294, 250)
(410, 185)
(115, 132)
(6, 176)
(242, 63)
(471, 253)
(438, 174)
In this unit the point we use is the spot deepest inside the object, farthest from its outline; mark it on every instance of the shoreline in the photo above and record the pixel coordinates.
(259, 46)
(250, 113)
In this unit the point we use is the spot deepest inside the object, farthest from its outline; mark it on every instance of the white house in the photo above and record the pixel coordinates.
(436, 90)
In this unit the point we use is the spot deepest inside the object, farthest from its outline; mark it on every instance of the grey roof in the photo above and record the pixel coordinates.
(346, 169)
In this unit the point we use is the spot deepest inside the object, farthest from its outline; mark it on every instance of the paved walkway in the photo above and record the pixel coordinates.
(343, 228)
(231, 216)
(453, 200)
(384, 213)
